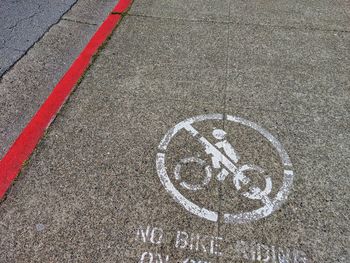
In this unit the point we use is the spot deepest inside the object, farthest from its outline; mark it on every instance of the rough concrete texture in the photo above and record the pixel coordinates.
(91, 191)
(197, 9)
(323, 14)
(22, 23)
(90, 11)
(27, 85)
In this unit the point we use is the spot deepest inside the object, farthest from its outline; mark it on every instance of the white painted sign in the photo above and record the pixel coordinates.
(210, 248)
(226, 161)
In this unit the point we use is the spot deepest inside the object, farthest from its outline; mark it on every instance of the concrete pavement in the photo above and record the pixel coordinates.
(29, 82)
(122, 175)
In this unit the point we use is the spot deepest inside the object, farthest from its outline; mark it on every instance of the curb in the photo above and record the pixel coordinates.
(20, 151)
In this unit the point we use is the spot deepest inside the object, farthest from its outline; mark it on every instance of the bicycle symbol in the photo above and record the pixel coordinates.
(238, 174)
(225, 159)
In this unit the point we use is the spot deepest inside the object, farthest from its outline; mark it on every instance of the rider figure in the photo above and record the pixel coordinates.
(220, 135)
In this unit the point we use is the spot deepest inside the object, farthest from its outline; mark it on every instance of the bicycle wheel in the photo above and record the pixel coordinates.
(190, 186)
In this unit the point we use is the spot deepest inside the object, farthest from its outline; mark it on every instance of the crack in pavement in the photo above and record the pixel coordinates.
(16, 34)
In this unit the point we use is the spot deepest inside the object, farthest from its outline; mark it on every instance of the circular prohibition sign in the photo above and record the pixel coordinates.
(230, 167)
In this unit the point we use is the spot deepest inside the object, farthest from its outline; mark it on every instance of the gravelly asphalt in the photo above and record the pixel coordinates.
(99, 188)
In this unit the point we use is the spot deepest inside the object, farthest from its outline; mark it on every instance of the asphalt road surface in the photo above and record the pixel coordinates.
(22, 23)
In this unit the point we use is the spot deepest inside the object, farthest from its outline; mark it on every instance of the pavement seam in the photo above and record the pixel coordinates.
(227, 62)
(249, 107)
(35, 42)
(79, 22)
(178, 18)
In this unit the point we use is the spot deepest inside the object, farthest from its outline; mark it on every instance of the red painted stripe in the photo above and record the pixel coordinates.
(122, 6)
(26, 142)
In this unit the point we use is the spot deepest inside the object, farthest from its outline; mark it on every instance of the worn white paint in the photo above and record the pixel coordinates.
(187, 204)
(193, 187)
(149, 257)
(213, 246)
(256, 252)
(210, 245)
(150, 234)
(229, 167)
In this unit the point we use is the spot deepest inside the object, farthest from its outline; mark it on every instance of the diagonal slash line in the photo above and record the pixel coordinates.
(210, 149)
